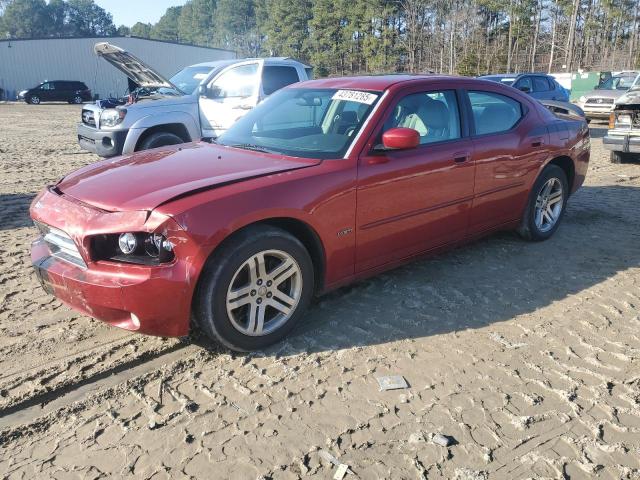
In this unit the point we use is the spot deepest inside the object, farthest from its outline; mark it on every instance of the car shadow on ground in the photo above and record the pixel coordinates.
(14, 211)
(487, 282)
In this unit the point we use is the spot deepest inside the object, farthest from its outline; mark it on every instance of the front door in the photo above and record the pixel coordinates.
(412, 201)
(229, 96)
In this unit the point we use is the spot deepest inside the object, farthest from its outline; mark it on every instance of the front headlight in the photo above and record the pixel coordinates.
(112, 117)
(133, 247)
(623, 119)
(582, 99)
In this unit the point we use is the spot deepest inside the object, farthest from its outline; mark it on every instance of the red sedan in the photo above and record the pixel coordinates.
(324, 183)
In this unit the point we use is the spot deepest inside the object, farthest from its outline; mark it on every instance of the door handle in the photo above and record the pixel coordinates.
(461, 157)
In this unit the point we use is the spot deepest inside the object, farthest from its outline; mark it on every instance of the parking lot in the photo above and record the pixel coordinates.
(526, 354)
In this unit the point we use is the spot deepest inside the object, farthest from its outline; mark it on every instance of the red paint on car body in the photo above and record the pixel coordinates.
(369, 211)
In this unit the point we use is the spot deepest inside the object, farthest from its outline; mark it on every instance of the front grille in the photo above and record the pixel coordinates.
(599, 101)
(88, 118)
(61, 245)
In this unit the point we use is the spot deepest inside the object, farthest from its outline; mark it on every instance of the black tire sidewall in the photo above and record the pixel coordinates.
(160, 139)
(210, 305)
(549, 172)
(34, 103)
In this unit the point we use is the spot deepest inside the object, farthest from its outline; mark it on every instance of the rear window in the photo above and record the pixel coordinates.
(276, 77)
(494, 113)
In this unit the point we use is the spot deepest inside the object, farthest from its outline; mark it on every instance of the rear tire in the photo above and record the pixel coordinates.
(245, 306)
(546, 205)
(77, 100)
(160, 139)
(620, 157)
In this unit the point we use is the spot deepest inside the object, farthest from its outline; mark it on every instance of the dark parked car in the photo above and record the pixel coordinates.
(57, 91)
(538, 85)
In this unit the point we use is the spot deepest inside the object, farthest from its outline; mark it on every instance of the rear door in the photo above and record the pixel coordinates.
(510, 143)
(229, 96)
(411, 201)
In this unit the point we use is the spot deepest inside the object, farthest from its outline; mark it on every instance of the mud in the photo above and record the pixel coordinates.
(526, 355)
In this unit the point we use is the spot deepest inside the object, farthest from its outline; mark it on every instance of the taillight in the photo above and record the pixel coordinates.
(612, 120)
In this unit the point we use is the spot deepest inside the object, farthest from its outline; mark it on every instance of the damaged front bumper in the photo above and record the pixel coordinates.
(154, 300)
(622, 142)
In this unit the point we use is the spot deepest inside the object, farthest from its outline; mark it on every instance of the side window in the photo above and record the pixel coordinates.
(524, 84)
(47, 86)
(435, 115)
(494, 113)
(240, 81)
(277, 77)
(540, 84)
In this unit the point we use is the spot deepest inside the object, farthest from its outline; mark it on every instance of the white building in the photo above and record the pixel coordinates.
(27, 63)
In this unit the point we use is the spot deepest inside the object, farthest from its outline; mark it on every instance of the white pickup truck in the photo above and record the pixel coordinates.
(200, 101)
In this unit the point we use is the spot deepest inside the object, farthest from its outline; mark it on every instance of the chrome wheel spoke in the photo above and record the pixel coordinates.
(264, 292)
(283, 271)
(549, 205)
(238, 298)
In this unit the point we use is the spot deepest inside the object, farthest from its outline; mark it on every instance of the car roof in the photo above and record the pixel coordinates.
(377, 83)
(498, 75)
(267, 61)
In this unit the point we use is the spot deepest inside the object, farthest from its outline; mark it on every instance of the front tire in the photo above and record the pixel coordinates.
(160, 139)
(254, 290)
(546, 206)
(34, 100)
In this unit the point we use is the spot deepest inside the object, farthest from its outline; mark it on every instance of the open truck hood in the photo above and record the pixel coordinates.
(147, 179)
(131, 66)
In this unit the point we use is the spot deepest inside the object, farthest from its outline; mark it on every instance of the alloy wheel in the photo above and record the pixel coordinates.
(549, 205)
(35, 100)
(264, 293)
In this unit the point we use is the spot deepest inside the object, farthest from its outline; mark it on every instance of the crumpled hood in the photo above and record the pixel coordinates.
(631, 97)
(144, 180)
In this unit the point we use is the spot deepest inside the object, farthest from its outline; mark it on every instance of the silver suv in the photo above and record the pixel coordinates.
(198, 102)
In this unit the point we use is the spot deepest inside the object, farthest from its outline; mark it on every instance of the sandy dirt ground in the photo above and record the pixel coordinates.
(528, 355)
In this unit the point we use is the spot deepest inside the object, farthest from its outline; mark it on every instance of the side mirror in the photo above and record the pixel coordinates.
(524, 89)
(400, 138)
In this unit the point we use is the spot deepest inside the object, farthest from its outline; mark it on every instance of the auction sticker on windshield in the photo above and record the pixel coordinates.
(355, 96)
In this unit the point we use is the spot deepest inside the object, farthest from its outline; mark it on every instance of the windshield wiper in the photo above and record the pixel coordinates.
(251, 146)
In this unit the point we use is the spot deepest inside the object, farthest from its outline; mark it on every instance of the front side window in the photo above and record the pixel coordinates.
(434, 115)
(240, 81)
(187, 80)
(275, 77)
(494, 113)
(47, 86)
(300, 122)
(525, 84)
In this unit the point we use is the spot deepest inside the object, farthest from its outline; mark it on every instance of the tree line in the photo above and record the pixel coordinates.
(338, 37)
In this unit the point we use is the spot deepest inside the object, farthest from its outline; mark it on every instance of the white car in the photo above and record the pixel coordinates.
(201, 101)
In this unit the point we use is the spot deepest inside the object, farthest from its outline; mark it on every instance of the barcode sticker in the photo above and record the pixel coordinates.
(355, 96)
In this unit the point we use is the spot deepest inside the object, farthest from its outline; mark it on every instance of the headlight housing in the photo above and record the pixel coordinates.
(623, 120)
(141, 248)
(582, 99)
(112, 117)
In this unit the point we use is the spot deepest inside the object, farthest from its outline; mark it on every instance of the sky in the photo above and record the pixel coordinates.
(128, 12)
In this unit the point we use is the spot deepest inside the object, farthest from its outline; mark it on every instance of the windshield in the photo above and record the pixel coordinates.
(636, 83)
(617, 83)
(309, 123)
(188, 79)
